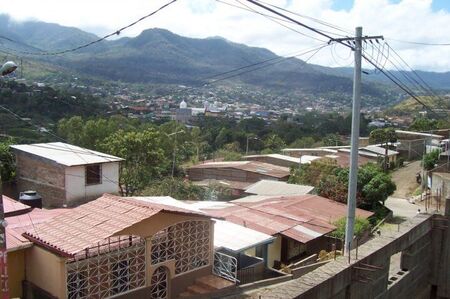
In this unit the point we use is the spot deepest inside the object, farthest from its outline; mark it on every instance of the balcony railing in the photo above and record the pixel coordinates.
(225, 266)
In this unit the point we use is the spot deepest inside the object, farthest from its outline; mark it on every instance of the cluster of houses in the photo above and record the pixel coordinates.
(92, 243)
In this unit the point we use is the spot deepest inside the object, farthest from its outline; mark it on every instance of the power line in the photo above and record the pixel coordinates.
(418, 43)
(117, 32)
(271, 18)
(423, 86)
(392, 78)
(347, 31)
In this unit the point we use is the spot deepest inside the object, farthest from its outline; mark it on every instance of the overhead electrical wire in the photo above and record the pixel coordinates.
(384, 72)
(417, 43)
(271, 18)
(330, 25)
(419, 86)
(117, 32)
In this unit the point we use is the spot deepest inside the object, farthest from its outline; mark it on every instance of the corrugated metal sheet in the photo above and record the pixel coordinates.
(268, 187)
(250, 166)
(302, 217)
(65, 154)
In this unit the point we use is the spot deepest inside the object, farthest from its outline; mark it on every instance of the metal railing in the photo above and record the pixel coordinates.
(225, 266)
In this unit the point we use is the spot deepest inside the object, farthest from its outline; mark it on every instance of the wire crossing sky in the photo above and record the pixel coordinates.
(400, 21)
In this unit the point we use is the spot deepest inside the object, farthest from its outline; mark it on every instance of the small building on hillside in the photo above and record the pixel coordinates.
(282, 160)
(412, 145)
(380, 152)
(277, 188)
(237, 173)
(64, 174)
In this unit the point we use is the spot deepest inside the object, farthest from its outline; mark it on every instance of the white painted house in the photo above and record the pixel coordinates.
(65, 174)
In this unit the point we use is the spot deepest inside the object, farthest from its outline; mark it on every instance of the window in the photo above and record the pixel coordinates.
(93, 174)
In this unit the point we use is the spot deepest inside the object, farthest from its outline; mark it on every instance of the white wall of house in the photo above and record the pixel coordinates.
(440, 184)
(77, 190)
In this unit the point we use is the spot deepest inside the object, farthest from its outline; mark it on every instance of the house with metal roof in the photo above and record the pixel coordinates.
(124, 247)
(300, 223)
(237, 174)
(282, 160)
(277, 188)
(65, 174)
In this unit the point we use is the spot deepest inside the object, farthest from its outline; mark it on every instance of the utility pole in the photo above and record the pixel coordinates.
(3, 250)
(354, 153)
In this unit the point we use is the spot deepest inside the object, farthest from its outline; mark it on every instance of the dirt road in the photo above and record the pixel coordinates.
(405, 179)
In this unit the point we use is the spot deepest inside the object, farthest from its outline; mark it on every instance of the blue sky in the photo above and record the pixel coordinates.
(348, 4)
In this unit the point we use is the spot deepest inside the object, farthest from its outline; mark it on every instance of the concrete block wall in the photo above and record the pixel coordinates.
(43, 176)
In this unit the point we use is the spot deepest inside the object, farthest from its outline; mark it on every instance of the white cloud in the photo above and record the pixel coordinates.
(406, 20)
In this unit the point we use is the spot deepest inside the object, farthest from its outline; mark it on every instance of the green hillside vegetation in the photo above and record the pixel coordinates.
(40, 108)
(410, 105)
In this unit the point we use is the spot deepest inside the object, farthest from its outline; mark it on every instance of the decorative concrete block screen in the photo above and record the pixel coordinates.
(112, 267)
(188, 243)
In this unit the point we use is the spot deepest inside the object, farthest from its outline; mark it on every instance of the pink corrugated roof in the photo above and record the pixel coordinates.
(301, 217)
(93, 222)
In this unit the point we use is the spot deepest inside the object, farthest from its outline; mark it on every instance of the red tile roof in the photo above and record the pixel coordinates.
(18, 224)
(86, 225)
(13, 207)
(302, 217)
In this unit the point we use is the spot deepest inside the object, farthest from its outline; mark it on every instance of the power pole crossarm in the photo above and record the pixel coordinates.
(344, 39)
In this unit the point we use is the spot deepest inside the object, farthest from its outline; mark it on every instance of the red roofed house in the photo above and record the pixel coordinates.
(20, 218)
(123, 247)
(299, 223)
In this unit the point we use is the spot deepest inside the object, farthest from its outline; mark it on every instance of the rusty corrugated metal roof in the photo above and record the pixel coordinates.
(95, 221)
(251, 166)
(301, 217)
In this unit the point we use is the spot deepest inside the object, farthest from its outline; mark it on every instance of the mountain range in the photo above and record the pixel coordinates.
(158, 56)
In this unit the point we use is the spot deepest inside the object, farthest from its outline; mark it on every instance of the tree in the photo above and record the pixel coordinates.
(361, 225)
(384, 135)
(274, 143)
(7, 161)
(177, 188)
(304, 142)
(144, 158)
(431, 159)
(421, 124)
(312, 174)
(331, 140)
